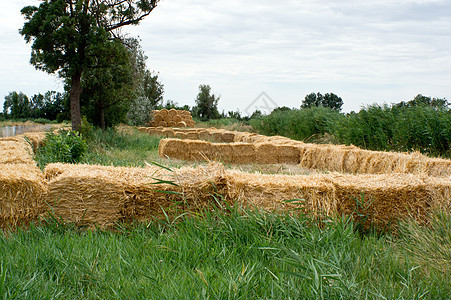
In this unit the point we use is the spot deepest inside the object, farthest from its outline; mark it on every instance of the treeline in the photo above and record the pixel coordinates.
(422, 124)
(52, 106)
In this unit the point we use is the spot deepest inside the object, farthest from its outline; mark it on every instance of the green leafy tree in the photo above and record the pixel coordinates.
(421, 100)
(149, 90)
(108, 91)
(48, 106)
(16, 106)
(72, 36)
(206, 104)
(329, 100)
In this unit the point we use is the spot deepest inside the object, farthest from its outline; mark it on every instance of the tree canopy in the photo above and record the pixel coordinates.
(72, 36)
(206, 104)
(329, 100)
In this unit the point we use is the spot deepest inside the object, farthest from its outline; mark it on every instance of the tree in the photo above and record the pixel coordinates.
(421, 100)
(71, 36)
(17, 105)
(206, 105)
(108, 91)
(329, 100)
(50, 106)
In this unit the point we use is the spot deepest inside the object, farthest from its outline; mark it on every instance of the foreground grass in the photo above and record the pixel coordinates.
(238, 255)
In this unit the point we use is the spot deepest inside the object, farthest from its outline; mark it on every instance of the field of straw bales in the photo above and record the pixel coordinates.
(383, 186)
(171, 118)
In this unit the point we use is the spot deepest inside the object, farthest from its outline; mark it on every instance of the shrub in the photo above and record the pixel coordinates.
(298, 124)
(65, 146)
(416, 128)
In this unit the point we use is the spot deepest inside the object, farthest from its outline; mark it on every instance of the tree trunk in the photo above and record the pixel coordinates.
(102, 117)
(75, 92)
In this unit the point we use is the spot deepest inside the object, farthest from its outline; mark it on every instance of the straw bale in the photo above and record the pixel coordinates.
(192, 135)
(270, 192)
(181, 124)
(142, 129)
(228, 137)
(205, 135)
(241, 136)
(158, 118)
(243, 153)
(265, 153)
(438, 167)
(97, 195)
(224, 152)
(217, 136)
(170, 133)
(167, 118)
(200, 150)
(36, 139)
(162, 124)
(387, 198)
(173, 148)
(164, 112)
(177, 119)
(172, 112)
(154, 123)
(15, 152)
(181, 135)
(287, 154)
(21, 194)
(172, 124)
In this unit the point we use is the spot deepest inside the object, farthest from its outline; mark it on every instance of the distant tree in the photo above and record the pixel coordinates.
(206, 104)
(283, 108)
(16, 106)
(70, 37)
(421, 100)
(108, 91)
(256, 114)
(329, 100)
(49, 105)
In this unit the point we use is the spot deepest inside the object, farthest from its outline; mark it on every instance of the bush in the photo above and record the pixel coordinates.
(416, 128)
(65, 147)
(298, 124)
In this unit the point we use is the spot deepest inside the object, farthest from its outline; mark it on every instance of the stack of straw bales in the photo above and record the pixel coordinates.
(98, 195)
(21, 183)
(336, 158)
(388, 198)
(172, 118)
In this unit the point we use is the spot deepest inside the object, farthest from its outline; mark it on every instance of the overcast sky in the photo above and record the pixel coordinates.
(373, 51)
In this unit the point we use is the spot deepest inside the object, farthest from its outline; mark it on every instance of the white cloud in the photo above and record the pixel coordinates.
(364, 51)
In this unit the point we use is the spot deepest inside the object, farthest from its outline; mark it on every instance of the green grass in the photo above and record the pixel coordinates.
(238, 255)
(121, 148)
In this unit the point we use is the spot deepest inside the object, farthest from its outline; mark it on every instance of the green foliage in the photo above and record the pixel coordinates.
(16, 106)
(120, 148)
(297, 124)
(400, 128)
(71, 37)
(206, 105)
(331, 101)
(65, 147)
(49, 106)
(151, 96)
(240, 254)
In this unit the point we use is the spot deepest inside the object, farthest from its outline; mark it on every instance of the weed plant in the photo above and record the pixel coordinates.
(239, 254)
(120, 148)
(408, 128)
(64, 146)
(301, 124)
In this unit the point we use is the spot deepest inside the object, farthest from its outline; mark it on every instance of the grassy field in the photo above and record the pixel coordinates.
(227, 254)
